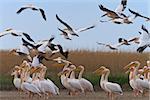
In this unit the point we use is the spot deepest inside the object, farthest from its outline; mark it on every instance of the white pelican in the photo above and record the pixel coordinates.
(87, 85)
(136, 83)
(144, 40)
(73, 85)
(43, 85)
(70, 30)
(58, 48)
(111, 88)
(42, 77)
(14, 32)
(22, 51)
(29, 87)
(32, 7)
(16, 79)
(112, 47)
(117, 12)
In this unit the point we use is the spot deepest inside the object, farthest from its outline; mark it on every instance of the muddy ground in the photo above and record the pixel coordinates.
(99, 95)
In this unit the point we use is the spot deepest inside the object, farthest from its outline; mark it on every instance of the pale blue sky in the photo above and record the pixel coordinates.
(77, 13)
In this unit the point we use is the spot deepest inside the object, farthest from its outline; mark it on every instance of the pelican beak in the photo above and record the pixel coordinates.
(132, 64)
(99, 70)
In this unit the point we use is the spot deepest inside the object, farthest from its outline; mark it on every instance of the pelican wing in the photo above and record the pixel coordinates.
(21, 9)
(143, 83)
(137, 14)
(113, 87)
(28, 37)
(133, 39)
(86, 28)
(4, 33)
(61, 21)
(144, 29)
(74, 83)
(27, 43)
(87, 85)
(101, 43)
(31, 87)
(107, 10)
(43, 13)
(121, 7)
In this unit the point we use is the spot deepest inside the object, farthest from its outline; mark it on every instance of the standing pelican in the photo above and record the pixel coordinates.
(111, 88)
(102, 81)
(16, 79)
(87, 85)
(34, 8)
(136, 83)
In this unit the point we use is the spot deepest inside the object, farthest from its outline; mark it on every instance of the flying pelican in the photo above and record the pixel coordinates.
(144, 40)
(14, 32)
(112, 47)
(70, 30)
(87, 85)
(117, 12)
(58, 48)
(136, 83)
(22, 51)
(111, 88)
(34, 8)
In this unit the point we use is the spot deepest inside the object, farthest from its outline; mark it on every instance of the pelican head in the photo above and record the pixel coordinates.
(132, 64)
(64, 71)
(80, 67)
(100, 70)
(15, 70)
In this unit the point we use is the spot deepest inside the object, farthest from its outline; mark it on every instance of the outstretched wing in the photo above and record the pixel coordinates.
(137, 14)
(86, 28)
(63, 22)
(107, 10)
(144, 29)
(28, 37)
(21, 9)
(43, 13)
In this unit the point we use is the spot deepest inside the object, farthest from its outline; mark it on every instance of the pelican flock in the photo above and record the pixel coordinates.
(30, 75)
